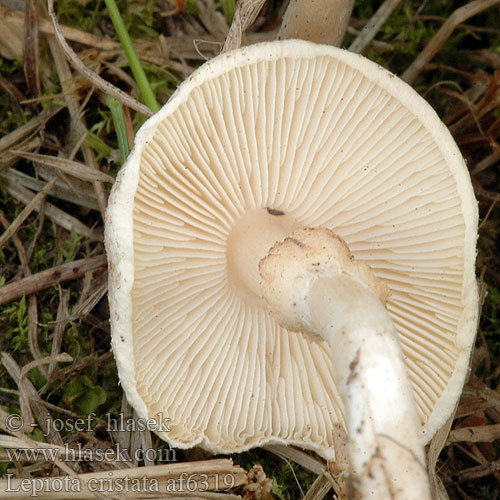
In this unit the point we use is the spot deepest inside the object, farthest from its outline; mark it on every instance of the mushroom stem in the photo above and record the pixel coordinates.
(320, 21)
(386, 453)
(311, 286)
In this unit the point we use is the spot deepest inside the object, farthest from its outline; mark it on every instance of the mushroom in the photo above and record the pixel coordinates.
(345, 181)
(320, 21)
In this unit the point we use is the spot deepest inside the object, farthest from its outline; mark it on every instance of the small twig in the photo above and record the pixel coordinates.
(432, 48)
(373, 26)
(478, 434)
(50, 277)
(94, 78)
(477, 472)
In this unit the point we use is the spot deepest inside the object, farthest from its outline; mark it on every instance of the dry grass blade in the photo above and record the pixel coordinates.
(11, 89)
(9, 140)
(62, 314)
(298, 456)
(8, 160)
(31, 49)
(21, 252)
(57, 358)
(53, 213)
(78, 126)
(373, 26)
(20, 441)
(13, 442)
(321, 487)
(85, 306)
(94, 78)
(245, 14)
(78, 193)
(122, 438)
(60, 358)
(32, 397)
(146, 50)
(74, 168)
(160, 481)
(68, 32)
(432, 48)
(213, 20)
(27, 420)
(485, 163)
(476, 389)
(16, 224)
(436, 445)
(5, 425)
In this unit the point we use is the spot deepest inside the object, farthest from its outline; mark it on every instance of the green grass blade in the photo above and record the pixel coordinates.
(116, 109)
(130, 53)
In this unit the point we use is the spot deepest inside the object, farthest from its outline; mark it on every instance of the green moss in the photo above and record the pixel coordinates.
(81, 14)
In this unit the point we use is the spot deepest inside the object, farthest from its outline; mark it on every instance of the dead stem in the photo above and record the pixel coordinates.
(50, 277)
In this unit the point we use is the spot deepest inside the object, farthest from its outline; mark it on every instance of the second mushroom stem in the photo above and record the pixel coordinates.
(320, 21)
(307, 288)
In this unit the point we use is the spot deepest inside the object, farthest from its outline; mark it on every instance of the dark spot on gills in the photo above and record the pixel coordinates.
(272, 211)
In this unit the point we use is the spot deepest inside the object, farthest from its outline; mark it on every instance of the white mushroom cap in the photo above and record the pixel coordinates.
(330, 139)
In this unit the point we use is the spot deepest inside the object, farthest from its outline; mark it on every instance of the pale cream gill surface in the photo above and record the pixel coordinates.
(304, 137)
